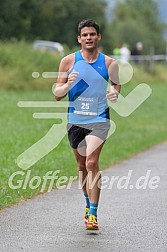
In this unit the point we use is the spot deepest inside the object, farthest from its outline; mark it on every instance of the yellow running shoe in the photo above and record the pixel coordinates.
(86, 214)
(92, 223)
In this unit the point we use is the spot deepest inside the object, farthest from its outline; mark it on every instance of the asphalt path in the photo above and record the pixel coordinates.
(132, 212)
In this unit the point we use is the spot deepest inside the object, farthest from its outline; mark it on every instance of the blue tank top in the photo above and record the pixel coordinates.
(87, 96)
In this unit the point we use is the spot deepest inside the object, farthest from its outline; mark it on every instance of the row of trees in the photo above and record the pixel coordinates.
(57, 20)
(138, 20)
(47, 19)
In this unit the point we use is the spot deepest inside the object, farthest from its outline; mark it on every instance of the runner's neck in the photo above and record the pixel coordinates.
(89, 56)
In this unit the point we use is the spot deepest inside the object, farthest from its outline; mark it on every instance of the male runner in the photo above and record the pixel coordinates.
(84, 75)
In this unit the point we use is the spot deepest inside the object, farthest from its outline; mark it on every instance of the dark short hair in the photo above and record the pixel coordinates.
(88, 23)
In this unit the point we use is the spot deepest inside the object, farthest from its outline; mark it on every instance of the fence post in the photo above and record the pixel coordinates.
(152, 63)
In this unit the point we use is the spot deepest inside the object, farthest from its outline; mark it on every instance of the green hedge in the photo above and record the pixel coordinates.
(18, 60)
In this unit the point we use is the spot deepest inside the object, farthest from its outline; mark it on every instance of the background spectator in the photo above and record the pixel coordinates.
(125, 53)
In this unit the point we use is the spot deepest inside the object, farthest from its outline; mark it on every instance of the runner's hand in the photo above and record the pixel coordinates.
(72, 78)
(112, 94)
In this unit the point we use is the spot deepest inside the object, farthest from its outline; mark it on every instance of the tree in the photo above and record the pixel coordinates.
(48, 19)
(138, 20)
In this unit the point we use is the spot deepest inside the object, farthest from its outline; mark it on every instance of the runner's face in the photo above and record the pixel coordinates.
(89, 38)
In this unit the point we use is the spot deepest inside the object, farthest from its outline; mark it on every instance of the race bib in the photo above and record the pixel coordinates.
(86, 106)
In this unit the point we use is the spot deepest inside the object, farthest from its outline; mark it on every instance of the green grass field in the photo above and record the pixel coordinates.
(19, 130)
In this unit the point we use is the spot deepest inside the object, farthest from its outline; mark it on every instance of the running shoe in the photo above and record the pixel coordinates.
(86, 214)
(92, 223)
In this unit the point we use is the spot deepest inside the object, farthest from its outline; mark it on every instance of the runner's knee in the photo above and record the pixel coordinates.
(81, 167)
(91, 165)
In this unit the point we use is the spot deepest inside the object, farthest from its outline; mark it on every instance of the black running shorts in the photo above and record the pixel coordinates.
(78, 132)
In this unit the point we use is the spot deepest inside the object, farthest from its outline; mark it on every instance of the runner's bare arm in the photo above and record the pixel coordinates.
(113, 71)
(64, 80)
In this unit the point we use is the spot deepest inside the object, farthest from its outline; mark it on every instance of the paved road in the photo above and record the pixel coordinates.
(131, 219)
